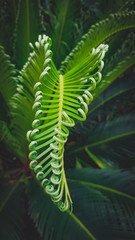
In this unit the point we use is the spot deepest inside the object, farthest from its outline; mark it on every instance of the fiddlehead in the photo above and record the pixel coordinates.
(58, 101)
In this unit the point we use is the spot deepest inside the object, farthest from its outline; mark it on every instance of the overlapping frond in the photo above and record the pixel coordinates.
(58, 101)
(96, 35)
(103, 206)
(22, 101)
(118, 64)
(112, 141)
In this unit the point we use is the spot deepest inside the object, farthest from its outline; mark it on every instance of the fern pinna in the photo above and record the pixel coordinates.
(59, 101)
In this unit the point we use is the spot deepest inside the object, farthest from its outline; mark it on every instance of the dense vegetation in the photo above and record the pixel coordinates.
(69, 45)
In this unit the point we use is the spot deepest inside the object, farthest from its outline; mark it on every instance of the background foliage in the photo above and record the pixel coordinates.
(100, 153)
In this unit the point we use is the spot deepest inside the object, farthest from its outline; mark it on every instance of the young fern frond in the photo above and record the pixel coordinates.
(59, 101)
(96, 35)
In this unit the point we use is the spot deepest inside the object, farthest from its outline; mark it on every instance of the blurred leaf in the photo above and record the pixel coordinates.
(106, 140)
(103, 204)
(8, 10)
(116, 89)
(62, 19)
(7, 80)
(28, 27)
(98, 162)
(11, 214)
(10, 142)
(115, 73)
(108, 131)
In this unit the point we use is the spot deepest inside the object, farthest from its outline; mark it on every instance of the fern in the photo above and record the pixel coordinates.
(58, 101)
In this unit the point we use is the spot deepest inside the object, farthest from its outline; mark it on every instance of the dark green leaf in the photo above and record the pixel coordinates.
(11, 214)
(103, 205)
(28, 27)
(108, 131)
(116, 89)
(7, 78)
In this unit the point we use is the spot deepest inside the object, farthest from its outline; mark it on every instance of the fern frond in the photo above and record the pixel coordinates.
(58, 101)
(116, 65)
(22, 101)
(127, 48)
(96, 35)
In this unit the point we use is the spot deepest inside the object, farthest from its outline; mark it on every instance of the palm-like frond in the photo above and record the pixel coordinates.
(103, 207)
(115, 72)
(109, 130)
(102, 30)
(55, 111)
(119, 132)
(116, 90)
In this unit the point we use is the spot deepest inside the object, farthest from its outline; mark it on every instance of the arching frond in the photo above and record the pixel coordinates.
(103, 207)
(96, 35)
(59, 100)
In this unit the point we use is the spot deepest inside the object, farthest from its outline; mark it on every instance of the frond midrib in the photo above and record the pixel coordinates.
(60, 100)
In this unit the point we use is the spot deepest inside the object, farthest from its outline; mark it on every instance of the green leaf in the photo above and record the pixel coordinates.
(11, 214)
(28, 27)
(103, 207)
(97, 34)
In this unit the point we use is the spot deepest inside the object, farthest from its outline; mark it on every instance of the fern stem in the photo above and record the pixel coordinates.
(59, 126)
(82, 225)
(60, 101)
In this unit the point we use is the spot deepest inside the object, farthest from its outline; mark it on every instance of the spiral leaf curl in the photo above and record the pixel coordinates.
(59, 101)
